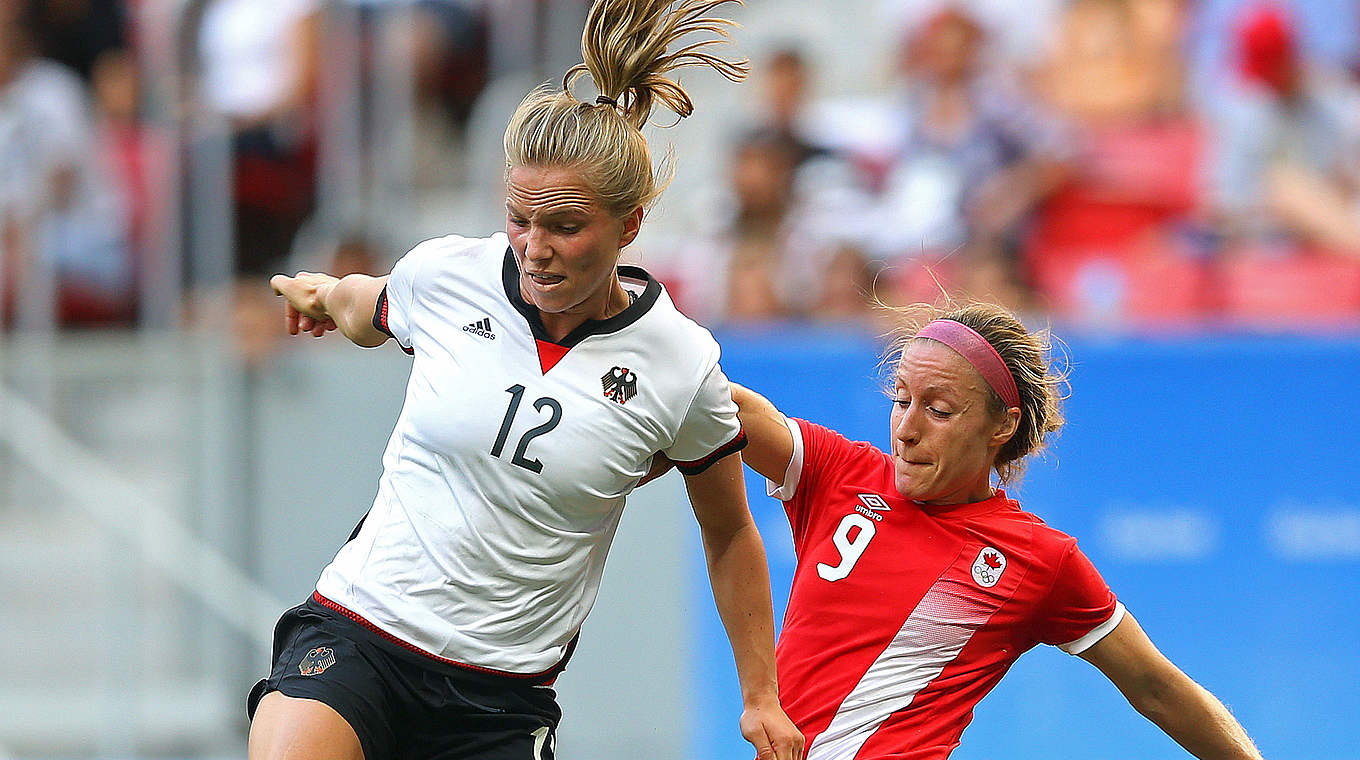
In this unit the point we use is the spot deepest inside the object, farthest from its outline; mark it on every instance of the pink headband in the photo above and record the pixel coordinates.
(978, 352)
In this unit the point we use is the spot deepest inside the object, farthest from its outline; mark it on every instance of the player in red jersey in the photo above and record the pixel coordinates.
(918, 583)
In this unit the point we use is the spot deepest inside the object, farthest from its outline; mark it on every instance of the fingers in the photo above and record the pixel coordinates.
(785, 748)
(322, 326)
(761, 740)
(291, 319)
(777, 740)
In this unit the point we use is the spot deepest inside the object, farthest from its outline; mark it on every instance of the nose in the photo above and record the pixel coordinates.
(536, 247)
(906, 427)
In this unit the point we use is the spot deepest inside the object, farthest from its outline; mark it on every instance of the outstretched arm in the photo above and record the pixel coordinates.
(1186, 711)
(769, 443)
(741, 589)
(319, 302)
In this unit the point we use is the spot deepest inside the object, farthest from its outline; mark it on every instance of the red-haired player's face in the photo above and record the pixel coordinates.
(944, 437)
(565, 243)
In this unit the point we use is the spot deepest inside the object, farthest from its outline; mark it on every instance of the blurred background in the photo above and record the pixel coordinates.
(1172, 185)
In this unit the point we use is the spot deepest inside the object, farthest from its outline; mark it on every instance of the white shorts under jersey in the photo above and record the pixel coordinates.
(505, 478)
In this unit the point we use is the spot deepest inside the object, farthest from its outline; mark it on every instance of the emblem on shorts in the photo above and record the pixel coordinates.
(316, 661)
(988, 567)
(620, 384)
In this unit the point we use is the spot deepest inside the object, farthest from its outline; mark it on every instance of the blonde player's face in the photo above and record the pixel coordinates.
(565, 243)
(944, 437)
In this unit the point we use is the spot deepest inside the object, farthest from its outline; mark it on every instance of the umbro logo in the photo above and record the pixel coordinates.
(481, 328)
(870, 504)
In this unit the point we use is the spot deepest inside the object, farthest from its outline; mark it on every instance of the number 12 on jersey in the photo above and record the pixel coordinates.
(516, 392)
(851, 549)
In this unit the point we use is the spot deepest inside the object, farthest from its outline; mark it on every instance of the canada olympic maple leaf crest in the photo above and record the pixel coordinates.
(989, 566)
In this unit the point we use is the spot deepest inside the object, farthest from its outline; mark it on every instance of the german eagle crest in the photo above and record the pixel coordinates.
(316, 661)
(620, 384)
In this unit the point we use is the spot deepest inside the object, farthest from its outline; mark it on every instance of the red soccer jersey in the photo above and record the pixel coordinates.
(902, 616)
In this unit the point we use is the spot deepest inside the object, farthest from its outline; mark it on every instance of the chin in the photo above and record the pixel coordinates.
(906, 490)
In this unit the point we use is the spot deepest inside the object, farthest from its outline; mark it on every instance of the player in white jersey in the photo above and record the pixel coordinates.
(546, 377)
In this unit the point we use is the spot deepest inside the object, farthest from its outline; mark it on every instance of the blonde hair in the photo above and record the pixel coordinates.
(1028, 356)
(624, 48)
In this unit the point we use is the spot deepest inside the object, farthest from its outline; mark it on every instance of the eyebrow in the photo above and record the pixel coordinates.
(516, 209)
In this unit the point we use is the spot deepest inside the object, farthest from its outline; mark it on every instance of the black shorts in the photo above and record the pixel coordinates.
(404, 705)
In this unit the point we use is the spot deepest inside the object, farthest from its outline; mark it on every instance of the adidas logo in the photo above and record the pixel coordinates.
(481, 328)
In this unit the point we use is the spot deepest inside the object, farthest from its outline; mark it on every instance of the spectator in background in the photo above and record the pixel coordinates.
(258, 61)
(126, 148)
(767, 256)
(444, 46)
(78, 33)
(785, 79)
(779, 242)
(63, 248)
(1286, 162)
(976, 157)
(1019, 33)
(1117, 61)
(1107, 244)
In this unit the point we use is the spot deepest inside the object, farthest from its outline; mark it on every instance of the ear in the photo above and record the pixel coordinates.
(1007, 427)
(631, 224)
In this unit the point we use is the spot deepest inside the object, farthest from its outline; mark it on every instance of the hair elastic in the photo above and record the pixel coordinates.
(606, 101)
(979, 353)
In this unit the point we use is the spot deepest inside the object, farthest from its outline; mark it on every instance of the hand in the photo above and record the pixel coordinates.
(775, 737)
(305, 310)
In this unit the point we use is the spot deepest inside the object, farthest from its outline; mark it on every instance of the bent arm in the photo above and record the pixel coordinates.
(1186, 711)
(349, 302)
(741, 589)
(769, 443)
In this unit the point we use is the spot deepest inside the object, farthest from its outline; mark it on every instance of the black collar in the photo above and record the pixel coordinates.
(631, 314)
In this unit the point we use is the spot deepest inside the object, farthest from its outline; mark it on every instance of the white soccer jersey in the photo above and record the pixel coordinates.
(505, 478)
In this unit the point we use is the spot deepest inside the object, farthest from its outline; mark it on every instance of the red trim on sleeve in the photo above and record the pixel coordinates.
(380, 320)
(737, 443)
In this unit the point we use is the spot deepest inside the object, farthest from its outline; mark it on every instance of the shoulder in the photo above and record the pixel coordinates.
(1048, 545)
(458, 246)
(668, 330)
(829, 456)
(824, 437)
(452, 253)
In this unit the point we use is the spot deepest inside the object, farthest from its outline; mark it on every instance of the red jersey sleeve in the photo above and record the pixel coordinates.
(1080, 609)
(820, 455)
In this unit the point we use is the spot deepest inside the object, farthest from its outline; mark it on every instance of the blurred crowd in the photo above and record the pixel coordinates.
(1056, 157)
(1064, 157)
(100, 166)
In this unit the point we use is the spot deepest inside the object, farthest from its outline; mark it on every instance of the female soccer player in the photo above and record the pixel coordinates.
(918, 583)
(545, 378)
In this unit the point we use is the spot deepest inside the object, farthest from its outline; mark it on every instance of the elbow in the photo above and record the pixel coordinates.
(1153, 706)
(1164, 697)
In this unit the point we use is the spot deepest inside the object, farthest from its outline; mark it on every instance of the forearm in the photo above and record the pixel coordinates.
(1155, 687)
(1198, 721)
(350, 302)
(741, 589)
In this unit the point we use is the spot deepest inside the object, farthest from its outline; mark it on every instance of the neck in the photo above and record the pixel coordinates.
(615, 300)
